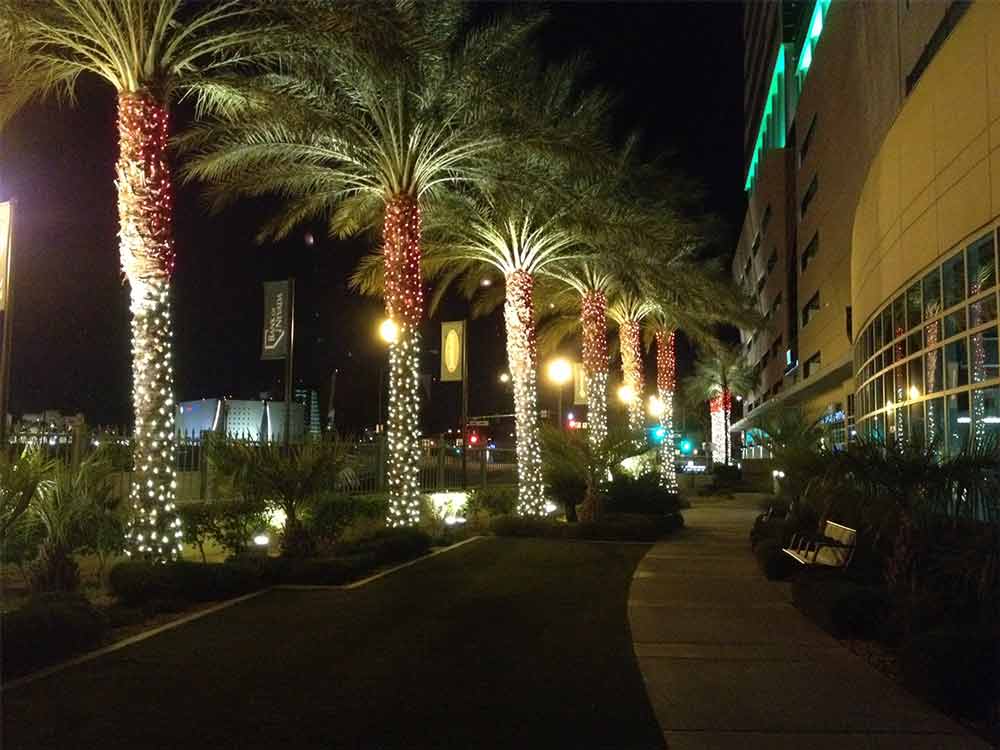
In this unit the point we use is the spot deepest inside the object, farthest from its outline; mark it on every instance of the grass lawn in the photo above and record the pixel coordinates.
(501, 643)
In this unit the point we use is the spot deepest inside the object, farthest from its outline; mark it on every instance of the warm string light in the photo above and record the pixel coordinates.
(522, 360)
(404, 304)
(145, 210)
(719, 408)
(666, 384)
(631, 344)
(593, 320)
(932, 358)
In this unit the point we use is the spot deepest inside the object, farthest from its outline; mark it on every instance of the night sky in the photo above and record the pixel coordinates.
(676, 66)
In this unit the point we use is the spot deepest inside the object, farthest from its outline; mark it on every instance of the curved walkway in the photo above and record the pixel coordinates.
(730, 663)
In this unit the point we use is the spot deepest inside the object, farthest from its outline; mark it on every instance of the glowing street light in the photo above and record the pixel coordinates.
(389, 331)
(627, 394)
(505, 377)
(560, 372)
(656, 407)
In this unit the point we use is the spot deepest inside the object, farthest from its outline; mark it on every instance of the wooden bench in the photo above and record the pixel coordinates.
(834, 549)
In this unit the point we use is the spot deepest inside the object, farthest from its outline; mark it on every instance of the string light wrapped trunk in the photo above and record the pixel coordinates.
(666, 384)
(404, 304)
(632, 372)
(593, 319)
(146, 246)
(720, 408)
(522, 360)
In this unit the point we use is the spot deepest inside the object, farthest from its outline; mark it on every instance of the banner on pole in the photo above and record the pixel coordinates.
(6, 209)
(453, 351)
(277, 320)
(579, 384)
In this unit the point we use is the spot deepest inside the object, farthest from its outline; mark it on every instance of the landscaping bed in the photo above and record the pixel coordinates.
(625, 527)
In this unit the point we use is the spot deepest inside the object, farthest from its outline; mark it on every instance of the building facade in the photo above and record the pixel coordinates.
(823, 148)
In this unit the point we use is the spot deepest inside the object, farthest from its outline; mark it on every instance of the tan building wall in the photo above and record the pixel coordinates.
(935, 182)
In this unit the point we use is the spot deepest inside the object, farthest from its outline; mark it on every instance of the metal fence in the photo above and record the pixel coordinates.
(441, 465)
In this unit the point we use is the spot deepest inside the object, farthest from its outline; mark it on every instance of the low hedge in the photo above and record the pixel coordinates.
(389, 546)
(333, 513)
(612, 527)
(139, 583)
(47, 629)
(843, 608)
(641, 495)
(956, 669)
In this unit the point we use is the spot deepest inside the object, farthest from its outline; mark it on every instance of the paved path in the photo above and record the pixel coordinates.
(730, 663)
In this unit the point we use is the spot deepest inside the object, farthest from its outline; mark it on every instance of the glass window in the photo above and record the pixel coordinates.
(935, 425)
(888, 356)
(878, 427)
(878, 386)
(982, 264)
(954, 323)
(986, 410)
(985, 363)
(899, 393)
(983, 311)
(877, 334)
(917, 423)
(953, 280)
(913, 306)
(916, 389)
(899, 424)
(898, 316)
(956, 364)
(810, 193)
(914, 342)
(887, 325)
(812, 306)
(933, 369)
(932, 293)
(958, 422)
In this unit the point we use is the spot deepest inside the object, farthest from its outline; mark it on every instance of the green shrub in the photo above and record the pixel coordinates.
(320, 572)
(774, 562)
(48, 628)
(726, 474)
(957, 669)
(522, 526)
(612, 527)
(139, 583)
(493, 501)
(390, 546)
(642, 495)
(333, 513)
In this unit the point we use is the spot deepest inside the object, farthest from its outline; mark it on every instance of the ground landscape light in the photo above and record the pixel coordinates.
(261, 540)
(389, 331)
(627, 394)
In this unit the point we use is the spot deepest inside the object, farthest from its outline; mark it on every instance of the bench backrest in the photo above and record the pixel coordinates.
(842, 534)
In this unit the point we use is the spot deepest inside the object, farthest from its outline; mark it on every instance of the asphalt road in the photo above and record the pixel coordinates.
(501, 643)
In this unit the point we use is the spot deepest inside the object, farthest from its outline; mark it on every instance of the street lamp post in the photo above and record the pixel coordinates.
(560, 371)
(388, 331)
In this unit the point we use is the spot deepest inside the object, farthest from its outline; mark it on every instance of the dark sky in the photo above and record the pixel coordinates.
(676, 66)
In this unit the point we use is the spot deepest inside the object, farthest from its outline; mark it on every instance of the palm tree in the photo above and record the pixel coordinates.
(629, 308)
(350, 140)
(717, 378)
(149, 51)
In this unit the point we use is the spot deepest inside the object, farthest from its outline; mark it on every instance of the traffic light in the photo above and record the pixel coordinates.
(685, 446)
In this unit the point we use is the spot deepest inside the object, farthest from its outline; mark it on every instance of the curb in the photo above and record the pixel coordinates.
(117, 645)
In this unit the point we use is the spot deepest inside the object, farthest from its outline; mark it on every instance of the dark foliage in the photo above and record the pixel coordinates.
(48, 628)
(139, 583)
(333, 512)
(957, 669)
(495, 501)
(391, 545)
(642, 495)
(612, 527)
(775, 564)
(841, 607)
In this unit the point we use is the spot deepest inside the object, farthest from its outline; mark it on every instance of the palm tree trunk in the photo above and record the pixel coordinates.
(593, 319)
(146, 245)
(666, 384)
(632, 374)
(404, 304)
(521, 358)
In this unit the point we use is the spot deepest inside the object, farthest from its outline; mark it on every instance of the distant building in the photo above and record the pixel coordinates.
(250, 420)
(50, 420)
(312, 420)
(869, 240)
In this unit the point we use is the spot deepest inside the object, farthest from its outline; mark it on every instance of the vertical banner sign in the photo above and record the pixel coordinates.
(6, 267)
(5, 222)
(453, 351)
(579, 384)
(277, 319)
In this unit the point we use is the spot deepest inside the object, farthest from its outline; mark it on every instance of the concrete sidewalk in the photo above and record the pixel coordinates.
(730, 663)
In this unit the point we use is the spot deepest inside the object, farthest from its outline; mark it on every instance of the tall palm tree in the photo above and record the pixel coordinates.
(149, 51)
(629, 308)
(719, 377)
(360, 144)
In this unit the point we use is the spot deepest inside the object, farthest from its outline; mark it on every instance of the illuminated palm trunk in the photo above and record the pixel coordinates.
(145, 211)
(666, 384)
(518, 313)
(593, 318)
(632, 374)
(404, 304)
(720, 408)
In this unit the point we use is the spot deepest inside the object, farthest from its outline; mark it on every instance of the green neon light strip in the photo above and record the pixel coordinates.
(815, 29)
(773, 93)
